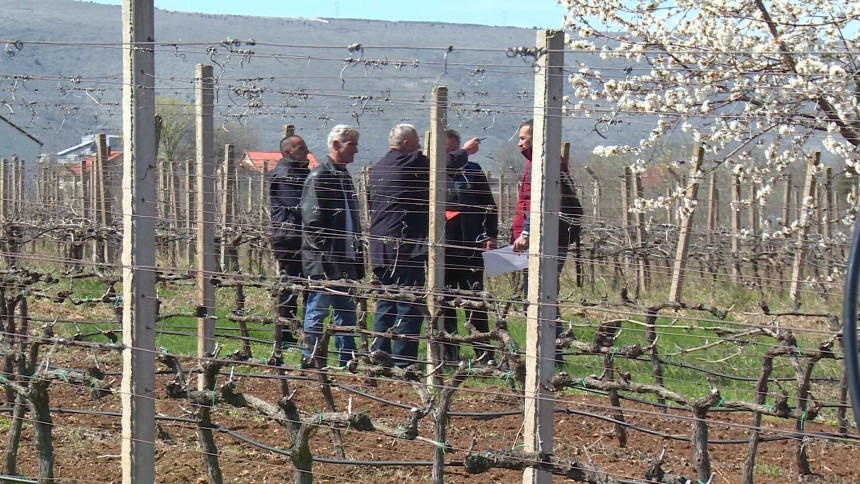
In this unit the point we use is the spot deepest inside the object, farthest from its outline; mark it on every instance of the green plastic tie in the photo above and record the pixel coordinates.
(4, 379)
(518, 446)
(612, 353)
(802, 418)
(320, 419)
(117, 301)
(719, 404)
(402, 432)
(348, 424)
(61, 375)
(582, 382)
(441, 444)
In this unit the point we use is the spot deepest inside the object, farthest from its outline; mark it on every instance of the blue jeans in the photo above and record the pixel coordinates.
(562, 257)
(405, 317)
(316, 310)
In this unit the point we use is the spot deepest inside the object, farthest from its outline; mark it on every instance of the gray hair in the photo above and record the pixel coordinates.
(341, 133)
(400, 133)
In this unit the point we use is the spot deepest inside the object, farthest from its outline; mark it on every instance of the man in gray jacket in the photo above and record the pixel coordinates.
(331, 243)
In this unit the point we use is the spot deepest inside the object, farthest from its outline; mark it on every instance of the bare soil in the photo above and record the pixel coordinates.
(87, 447)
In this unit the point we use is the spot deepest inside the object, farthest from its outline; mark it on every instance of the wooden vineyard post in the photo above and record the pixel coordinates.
(805, 217)
(502, 198)
(641, 258)
(626, 192)
(736, 229)
(435, 148)
(595, 195)
(786, 200)
(190, 206)
(54, 189)
(754, 233)
(23, 184)
(40, 187)
(14, 190)
(4, 190)
(543, 250)
(264, 194)
(205, 165)
(175, 208)
(577, 259)
(104, 205)
(228, 203)
(138, 251)
(671, 208)
(713, 219)
(827, 214)
(436, 255)
(364, 207)
(83, 186)
(264, 217)
(18, 166)
(685, 215)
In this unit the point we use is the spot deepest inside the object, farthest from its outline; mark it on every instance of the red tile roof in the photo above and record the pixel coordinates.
(75, 169)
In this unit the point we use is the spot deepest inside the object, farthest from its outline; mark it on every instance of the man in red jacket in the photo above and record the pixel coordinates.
(568, 227)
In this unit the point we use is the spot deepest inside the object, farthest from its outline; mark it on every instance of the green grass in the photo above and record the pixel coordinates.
(742, 358)
(771, 470)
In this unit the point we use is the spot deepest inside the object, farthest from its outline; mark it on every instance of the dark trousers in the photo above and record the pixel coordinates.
(287, 300)
(562, 257)
(466, 274)
(404, 317)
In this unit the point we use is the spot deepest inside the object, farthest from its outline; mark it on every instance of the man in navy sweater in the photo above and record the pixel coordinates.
(398, 198)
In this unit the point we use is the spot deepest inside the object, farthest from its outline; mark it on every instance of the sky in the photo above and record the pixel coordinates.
(515, 13)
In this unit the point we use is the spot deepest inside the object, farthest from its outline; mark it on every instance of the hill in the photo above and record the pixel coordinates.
(61, 77)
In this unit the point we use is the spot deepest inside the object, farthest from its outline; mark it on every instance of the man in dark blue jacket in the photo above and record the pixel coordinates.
(332, 248)
(398, 198)
(286, 182)
(472, 226)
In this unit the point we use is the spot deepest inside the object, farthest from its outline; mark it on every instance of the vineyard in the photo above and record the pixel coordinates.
(700, 311)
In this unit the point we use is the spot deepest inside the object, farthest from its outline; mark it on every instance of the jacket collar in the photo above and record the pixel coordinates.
(293, 163)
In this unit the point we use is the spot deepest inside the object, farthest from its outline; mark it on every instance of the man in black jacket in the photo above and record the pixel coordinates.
(398, 197)
(286, 182)
(331, 243)
(471, 227)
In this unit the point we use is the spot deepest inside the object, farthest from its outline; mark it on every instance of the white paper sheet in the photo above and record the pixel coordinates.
(504, 260)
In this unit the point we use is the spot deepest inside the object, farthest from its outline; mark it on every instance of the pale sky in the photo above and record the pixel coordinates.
(517, 13)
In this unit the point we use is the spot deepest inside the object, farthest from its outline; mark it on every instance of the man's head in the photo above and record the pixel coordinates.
(453, 139)
(525, 134)
(404, 138)
(343, 144)
(294, 148)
